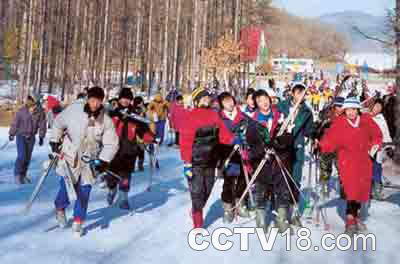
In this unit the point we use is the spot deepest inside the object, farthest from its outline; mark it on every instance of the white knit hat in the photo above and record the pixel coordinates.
(352, 102)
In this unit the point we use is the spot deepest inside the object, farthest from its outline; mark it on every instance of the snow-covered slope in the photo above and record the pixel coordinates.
(157, 230)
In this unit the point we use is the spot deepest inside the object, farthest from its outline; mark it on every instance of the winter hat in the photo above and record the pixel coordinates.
(352, 102)
(126, 93)
(199, 93)
(96, 92)
(338, 101)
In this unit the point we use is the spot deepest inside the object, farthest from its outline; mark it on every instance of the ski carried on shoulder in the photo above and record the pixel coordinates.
(135, 117)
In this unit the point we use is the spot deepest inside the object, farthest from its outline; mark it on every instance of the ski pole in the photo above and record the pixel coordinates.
(253, 178)
(5, 145)
(39, 185)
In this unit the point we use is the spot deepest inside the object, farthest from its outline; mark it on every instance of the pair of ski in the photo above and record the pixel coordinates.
(315, 200)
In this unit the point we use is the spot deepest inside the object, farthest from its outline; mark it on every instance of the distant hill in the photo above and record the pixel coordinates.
(344, 22)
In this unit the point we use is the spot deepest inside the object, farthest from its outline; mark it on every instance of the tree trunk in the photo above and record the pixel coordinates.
(149, 54)
(43, 44)
(31, 42)
(178, 21)
(194, 69)
(165, 52)
(66, 47)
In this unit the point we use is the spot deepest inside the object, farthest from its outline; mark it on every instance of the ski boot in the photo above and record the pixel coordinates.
(296, 221)
(228, 213)
(77, 228)
(281, 220)
(260, 219)
(141, 167)
(197, 217)
(111, 196)
(377, 191)
(351, 225)
(123, 201)
(242, 210)
(61, 218)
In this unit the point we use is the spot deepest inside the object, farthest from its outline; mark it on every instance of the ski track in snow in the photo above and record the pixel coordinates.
(156, 231)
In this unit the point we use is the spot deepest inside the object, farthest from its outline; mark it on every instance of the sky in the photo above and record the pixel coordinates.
(315, 8)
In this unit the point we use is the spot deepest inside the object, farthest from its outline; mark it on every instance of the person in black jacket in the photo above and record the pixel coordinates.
(271, 183)
(130, 132)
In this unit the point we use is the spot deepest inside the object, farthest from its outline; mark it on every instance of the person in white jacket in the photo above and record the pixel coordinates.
(82, 130)
(380, 120)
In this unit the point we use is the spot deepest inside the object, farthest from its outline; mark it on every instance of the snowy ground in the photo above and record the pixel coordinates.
(157, 231)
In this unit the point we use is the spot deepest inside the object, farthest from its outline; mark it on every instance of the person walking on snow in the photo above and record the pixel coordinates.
(158, 110)
(234, 177)
(356, 139)
(130, 132)
(29, 121)
(203, 131)
(303, 127)
(378, 117)
(271, 184)
(82, 131)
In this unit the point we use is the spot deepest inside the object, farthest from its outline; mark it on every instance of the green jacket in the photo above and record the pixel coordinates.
(303, 122)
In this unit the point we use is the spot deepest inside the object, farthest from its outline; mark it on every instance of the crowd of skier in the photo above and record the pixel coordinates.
(258, 143)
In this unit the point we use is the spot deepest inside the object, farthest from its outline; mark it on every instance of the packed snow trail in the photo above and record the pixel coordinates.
(156, 231)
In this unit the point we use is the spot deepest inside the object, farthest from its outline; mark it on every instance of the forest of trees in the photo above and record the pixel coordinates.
(70, 44)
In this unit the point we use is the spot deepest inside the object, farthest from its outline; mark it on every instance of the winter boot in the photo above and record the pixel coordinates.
(25, 179)
(242, 210)
(377, 191)
(351, 225)
(123, 201)
(18, 179)
(324, 190)
(260, 219)
(77, 228)
(296, 221)
(228, 213)
(281, 220)
(111, 196)
(141, 167)
(197, 217)
(61, 218)
(361, 227)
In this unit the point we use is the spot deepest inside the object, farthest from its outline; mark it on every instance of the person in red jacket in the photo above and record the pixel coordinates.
(356, 138)
(199, 138)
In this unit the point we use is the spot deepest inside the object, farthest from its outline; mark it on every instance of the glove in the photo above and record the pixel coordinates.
(11, 138)
(237, 141)
(390, 152)
(188, 171)
(41, 141)
(373, 151)
(55, 147)
(100, 165)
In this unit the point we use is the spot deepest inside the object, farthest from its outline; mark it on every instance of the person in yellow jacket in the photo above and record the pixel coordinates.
(315, 100)
(158, 112)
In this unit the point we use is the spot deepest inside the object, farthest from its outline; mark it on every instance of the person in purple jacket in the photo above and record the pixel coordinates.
(28, 121)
